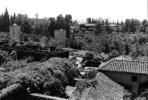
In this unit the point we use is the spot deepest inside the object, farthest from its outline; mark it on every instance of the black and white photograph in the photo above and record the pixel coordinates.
(73, 49)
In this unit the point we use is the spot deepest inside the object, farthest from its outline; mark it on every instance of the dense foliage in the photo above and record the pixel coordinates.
(114, 44)
(49, 77)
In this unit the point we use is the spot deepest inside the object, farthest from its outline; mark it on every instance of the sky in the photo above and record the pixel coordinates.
(79, 9)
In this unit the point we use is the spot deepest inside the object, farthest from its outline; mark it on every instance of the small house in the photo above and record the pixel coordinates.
(132, 74)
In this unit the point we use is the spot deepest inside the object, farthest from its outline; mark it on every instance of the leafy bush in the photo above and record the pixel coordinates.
(88, 56)
(4, 56)
(4, 37)
(113, 54)
(55, 86)
(91, 74)
(13, 65)
(49, 77)
(73, 73)
(62, 77)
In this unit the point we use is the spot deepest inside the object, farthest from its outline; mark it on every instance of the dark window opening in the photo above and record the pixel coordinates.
(134, 78)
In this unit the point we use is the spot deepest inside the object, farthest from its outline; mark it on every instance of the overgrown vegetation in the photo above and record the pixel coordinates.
(50, 77)
(115, 44)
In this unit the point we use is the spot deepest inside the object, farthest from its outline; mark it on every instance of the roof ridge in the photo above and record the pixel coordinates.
(106, 63)
(131, 60)
(119, 65)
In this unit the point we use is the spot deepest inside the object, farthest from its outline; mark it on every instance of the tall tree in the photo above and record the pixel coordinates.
(6, 20)
(89, 20)
(127, 25)
(1, 22)
(41, 26)
(52, 26)
(107, 26)
(99, 27)
(60, 24)
(144, 22)
(13, 19)
(68, 22)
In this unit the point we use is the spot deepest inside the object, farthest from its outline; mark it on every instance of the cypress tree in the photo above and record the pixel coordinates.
(6, 21)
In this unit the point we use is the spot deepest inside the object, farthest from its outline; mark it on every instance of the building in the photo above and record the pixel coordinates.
(132, 74)
(86, 26)
(60, 37)
(105, 89)
(15, 32)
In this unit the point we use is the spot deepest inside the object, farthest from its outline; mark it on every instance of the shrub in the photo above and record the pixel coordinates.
(72, 74)
(54, 88)
(91, 74)
(113, 54)
(62, 77)
(88, 56)
(49, 77)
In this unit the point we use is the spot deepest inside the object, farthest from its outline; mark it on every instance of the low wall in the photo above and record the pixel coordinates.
(17, 92)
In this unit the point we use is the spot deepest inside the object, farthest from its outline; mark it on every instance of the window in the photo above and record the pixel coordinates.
(134, 78)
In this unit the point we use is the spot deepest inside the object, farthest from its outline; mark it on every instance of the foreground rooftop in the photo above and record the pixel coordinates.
(125, 65)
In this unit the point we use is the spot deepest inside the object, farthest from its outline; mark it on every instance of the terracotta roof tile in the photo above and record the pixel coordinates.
(106, 89)
(130, 66)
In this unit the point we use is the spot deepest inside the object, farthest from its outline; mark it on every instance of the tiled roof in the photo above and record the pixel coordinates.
(106, 89)
(128, 66)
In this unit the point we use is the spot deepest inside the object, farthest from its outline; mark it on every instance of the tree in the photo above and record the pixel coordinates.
(107, 26)
(64, 23)
(93, 21)
(73, 73)
(41, 26)
(24, 22)
(26, 26)
(68, 22)
(88, 56)
(1, 22)
(13, 19)
(54, 88)
(113, 54)
(62, 77)
(132, 26)
(127, 25)
(99, 27)
(88, 20)
(91, 74)
(6, 21)
(60, 24)
(144, 22)
(52, 26)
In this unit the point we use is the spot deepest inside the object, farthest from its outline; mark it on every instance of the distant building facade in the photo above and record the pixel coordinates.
(86, 26)
(15, 32)
(60, 37)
